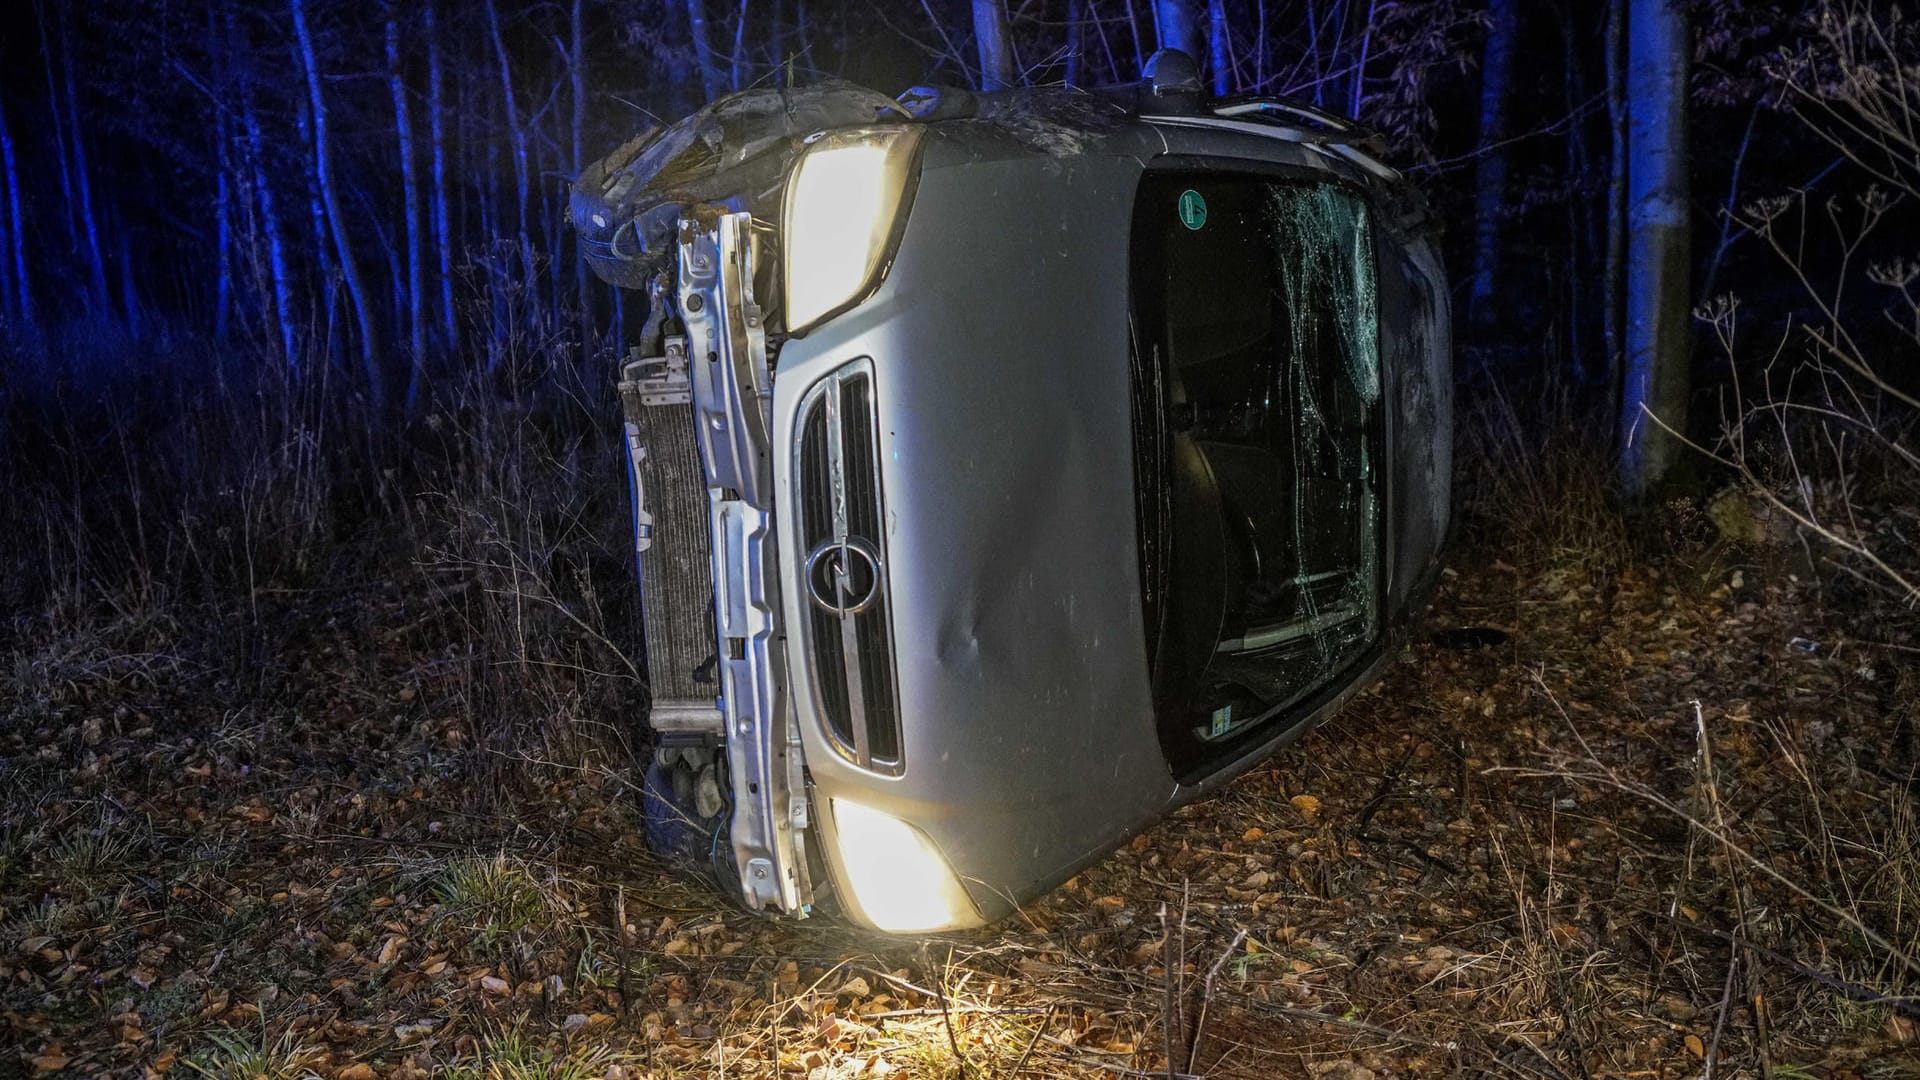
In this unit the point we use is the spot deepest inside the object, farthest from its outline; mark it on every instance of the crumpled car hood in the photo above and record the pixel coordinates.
(733, 153)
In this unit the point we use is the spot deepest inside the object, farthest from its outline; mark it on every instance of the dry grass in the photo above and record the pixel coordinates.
(328, 771)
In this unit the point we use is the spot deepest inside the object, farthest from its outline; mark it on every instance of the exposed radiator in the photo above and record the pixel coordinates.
(674, 542)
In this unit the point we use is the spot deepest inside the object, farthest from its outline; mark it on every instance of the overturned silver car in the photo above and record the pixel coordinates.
(1009, 469)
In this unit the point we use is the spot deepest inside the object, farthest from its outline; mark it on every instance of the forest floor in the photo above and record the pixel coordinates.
(1664, 827)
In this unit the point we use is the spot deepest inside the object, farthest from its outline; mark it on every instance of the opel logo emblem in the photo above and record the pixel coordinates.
(843, 576)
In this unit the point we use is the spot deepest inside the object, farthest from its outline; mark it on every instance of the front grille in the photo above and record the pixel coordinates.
(849, 635)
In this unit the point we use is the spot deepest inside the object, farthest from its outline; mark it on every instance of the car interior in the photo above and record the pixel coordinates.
(1257, 402)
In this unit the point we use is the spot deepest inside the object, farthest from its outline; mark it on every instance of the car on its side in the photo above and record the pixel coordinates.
(1009, 469)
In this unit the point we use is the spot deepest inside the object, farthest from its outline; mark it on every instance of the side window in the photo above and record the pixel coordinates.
(1259, 432)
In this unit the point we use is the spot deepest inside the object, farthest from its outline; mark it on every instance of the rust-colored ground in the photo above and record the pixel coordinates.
(1665, 828)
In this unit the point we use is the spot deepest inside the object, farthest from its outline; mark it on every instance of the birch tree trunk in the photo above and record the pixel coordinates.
(328, 292)
(59, 125)
(1659, 300)
(442, 237)
(1358, 95)
(996, 52)
(276, 241)
(223, 238)
(1490, 170)
(22, 298)
(516, 140)
(737, 61)
(577, 71)
(1178, 25)
(410, 216)
(1217, 50)
(102, 298)
(710, 80)
(336, 222)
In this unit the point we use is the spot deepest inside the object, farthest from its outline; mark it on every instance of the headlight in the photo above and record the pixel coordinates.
(844, 201)
(900, 883)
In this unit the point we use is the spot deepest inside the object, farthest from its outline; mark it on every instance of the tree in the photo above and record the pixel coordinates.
(577, 78)
(82, 195)
(516, 139)
(996, 52)
(336, 223)
(1490, 170)
(1178, 24)
(442, 235)
(276, 244)
(710, 79)
(16, 234)
(410, 215)
(1217, 47)
(1656, 381)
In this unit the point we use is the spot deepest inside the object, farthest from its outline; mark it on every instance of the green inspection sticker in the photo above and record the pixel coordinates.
(1193, 209)
(1222, 717)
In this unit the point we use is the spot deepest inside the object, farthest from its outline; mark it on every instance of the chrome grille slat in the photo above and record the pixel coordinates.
(849, 637)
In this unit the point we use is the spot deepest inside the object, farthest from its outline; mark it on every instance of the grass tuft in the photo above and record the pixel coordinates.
(511, 1055)
(236, 1055)
(496, 896)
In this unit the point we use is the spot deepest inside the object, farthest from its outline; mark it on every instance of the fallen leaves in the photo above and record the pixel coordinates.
(1437, 919)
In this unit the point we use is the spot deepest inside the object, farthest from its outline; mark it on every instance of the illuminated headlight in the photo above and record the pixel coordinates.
(844, 201)
(898, 880)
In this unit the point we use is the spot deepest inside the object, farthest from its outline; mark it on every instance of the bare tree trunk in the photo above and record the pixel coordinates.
(8, 179)
(1314, 55)
(1613, 285)
(1579, 207)
(410, 216)
(83, 186)
(710, 79)
(1358, 95)
(1106, 44)
(329, 291)
(737, 62)
(577, 70)
(276, 242)
(442, 235)
(1260, 46)
(1659, 299)
(1217, 47)
(996, 53)
(22, 297)
(336, 221)
(1139, 46)
(516, 139)
(1178, 26)
(130, 307)
(223, 238)
(1490, 171)
(47, 51)
(1075, 42)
